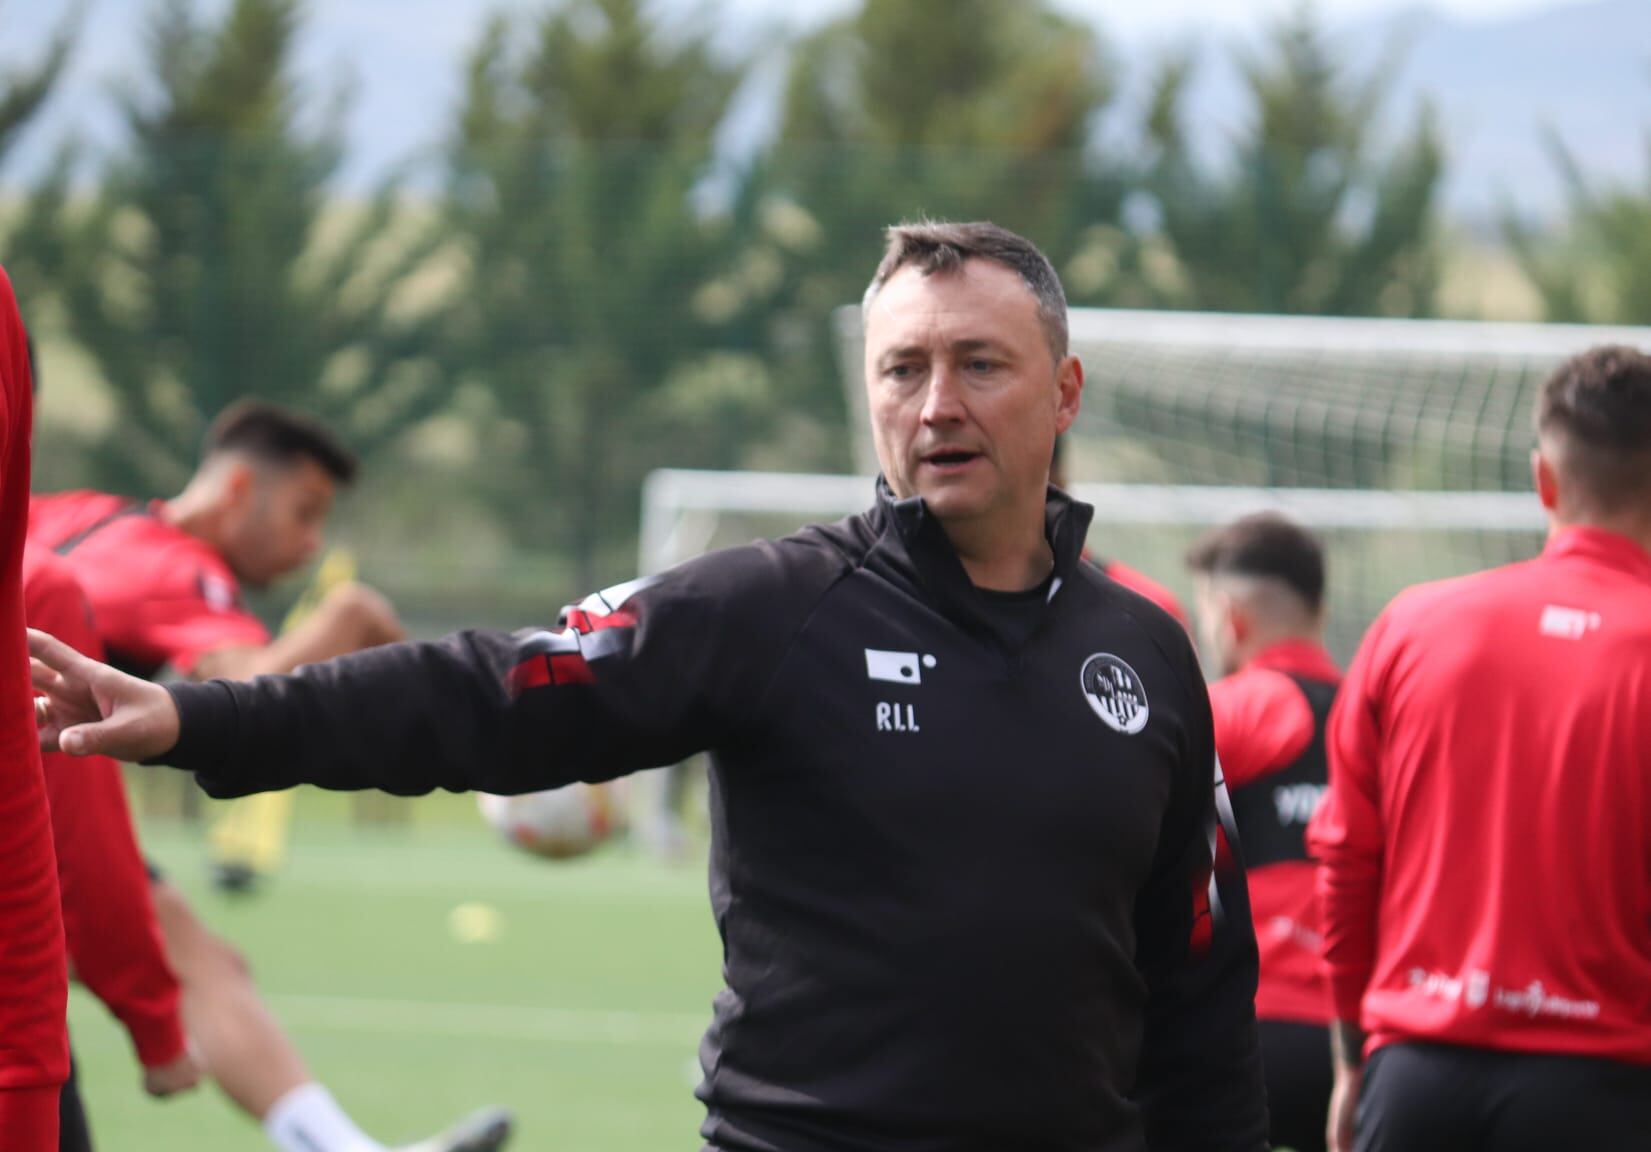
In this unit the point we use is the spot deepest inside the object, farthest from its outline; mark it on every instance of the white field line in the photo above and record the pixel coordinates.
(492, 1021)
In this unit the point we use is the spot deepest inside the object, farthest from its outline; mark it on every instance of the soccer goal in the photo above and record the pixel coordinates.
(1404, 443)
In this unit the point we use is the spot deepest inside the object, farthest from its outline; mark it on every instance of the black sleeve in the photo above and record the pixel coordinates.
(1200, 1080)
(638, 676)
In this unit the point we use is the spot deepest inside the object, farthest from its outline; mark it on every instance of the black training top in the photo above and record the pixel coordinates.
(964, 882)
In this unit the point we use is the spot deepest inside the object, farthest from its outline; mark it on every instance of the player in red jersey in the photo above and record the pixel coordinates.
(1136, 581)
(114, 943)
(1485, 845)
(164, 580)
(1259, 600)
(34, 1053)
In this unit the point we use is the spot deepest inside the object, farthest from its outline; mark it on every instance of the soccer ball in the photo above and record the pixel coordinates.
(558, 824)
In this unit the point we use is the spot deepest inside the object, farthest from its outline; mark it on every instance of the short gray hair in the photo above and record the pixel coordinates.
(939, 246)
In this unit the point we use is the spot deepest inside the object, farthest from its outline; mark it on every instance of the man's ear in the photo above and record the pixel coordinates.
(1069, 384)
(239, 481)
(1546, 478)
(1237, 619)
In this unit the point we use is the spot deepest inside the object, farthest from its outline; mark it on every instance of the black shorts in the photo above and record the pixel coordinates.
(1436, 1098)
(1296, 1060)
(73, 1133)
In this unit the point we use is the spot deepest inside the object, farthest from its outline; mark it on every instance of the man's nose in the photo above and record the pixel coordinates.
(943, 402)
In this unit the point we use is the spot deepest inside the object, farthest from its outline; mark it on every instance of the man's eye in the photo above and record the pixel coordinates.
(980, 366)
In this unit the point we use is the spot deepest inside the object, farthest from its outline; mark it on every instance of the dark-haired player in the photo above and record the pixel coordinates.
(1486, 840)
(164, 581)
(1260, 606)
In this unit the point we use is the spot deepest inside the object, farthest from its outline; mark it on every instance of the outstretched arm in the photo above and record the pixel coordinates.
(635, 677)
(404, 718)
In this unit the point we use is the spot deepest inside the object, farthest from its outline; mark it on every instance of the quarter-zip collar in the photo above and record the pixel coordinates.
(938, 567)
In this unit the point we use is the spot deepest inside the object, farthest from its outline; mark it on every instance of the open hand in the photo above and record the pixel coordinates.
(91, 708)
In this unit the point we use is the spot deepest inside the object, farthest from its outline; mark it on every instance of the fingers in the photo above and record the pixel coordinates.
(59, 657)
(46, 679)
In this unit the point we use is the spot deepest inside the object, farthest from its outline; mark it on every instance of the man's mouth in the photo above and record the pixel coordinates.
(950, 458)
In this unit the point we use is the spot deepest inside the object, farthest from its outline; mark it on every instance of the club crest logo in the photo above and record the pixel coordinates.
(1115, 692)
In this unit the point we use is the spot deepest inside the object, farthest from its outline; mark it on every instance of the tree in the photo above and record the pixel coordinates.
(213, 266)
(24, 90)
(573, 182)
(1596, 267)
(28, 254)
(1308, 215)
(960, 109)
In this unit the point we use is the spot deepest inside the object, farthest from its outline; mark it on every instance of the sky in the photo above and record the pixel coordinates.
(1130, 17)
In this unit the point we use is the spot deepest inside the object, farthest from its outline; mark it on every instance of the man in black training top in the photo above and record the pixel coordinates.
(966, 859)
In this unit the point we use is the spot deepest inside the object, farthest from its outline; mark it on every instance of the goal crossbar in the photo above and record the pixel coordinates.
(680, 506)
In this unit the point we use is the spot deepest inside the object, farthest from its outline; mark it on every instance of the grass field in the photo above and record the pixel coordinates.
(583, 1013)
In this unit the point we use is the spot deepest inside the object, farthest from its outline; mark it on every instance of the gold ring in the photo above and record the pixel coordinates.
(42, 711)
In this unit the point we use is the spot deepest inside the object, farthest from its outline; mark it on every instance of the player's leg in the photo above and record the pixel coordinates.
(241, 1043)
(256, 1064)
(1420, 1098)
(1297, 1062)
(1543, 1103)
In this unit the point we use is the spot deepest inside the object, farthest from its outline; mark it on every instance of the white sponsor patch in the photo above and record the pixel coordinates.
(1568, 623)
(1478, 989)
(896, 667)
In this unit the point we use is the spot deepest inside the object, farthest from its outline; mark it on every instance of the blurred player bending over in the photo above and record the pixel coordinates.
(1486, 841)
(164, 581)
(1137, 582)
(1260, 608)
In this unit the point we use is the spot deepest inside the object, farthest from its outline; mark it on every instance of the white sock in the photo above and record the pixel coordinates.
(308, 1119)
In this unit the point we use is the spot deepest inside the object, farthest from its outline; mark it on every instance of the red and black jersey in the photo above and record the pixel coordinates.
(108, 915)
(1270, 722)
(1142, 585)
(34, 1053)
(962, 872)
(1486, 840)
(160, 596)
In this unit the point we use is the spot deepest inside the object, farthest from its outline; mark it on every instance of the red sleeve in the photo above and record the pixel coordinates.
(204, 616)
(113, 939)
(1262, 723)
(1346, 834)
(34, 1054)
